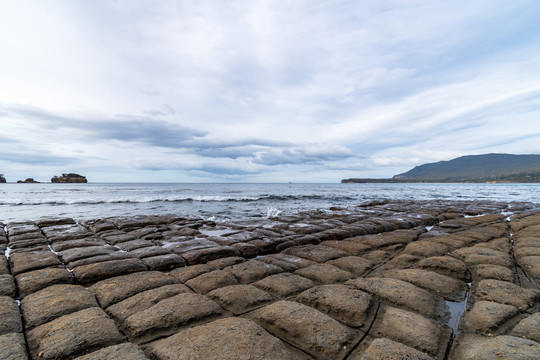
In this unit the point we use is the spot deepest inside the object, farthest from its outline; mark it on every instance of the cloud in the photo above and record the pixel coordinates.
(37, 159)
(122, 127)
(304, 155)
(270, 88)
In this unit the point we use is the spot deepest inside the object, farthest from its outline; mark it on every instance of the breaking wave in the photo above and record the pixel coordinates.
(172, 199)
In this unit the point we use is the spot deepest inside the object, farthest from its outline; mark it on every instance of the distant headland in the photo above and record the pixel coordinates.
(487, 168)
(65, 178)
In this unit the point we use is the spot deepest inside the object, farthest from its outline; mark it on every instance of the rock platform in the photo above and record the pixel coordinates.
(385, 280)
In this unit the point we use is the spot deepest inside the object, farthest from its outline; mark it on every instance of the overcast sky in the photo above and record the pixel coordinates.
(263, 91)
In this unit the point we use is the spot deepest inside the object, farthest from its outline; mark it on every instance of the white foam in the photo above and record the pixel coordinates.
(7, 252)
(50, 248)
(272, 212)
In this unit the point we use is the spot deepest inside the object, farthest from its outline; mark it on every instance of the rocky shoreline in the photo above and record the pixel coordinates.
(391, 280)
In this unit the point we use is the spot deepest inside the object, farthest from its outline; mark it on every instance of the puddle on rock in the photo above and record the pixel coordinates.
(456, 310)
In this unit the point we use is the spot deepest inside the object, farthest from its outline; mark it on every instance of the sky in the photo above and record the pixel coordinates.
(263, 91)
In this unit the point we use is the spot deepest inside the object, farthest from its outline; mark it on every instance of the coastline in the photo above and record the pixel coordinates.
(334, 283)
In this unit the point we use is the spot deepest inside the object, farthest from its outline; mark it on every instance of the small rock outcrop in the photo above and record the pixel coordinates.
(2, 178)
(28, 181)
(69, 178)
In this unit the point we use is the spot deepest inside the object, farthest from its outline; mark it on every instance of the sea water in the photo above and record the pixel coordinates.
(19, 202)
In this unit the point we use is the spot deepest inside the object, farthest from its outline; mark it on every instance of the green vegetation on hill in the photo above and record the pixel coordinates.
(472, 168)
(2, 178)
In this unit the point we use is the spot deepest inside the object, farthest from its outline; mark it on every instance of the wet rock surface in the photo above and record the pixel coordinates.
(387, 280)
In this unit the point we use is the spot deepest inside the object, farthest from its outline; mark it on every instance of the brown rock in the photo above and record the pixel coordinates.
(73, 334)
(150, 251)
(285, 265)
(28, 244)
(446, 265)
(353, 264)
(224, 339)
(115, 255)
(252, 270)
(506, 293)
(55, 301)
(202, 256)
(116, 352)
(425, 248)
(70, 244)
(134, 244)
(353, 246)
(472, 347)
(530, 265)
(4, 266)
(32, 260)
(119, 288)
(167, 316)
(36, 280)
(240, 299)
(528, 328)
(189, 245)
(66, 232)
(189, 272)
(477, 255)
(94, 272)
(225, 262)
(284, 285)
(13, 347)
(325, 273)
(164, 262)
(54, 222)
(74, 254)
(144, 300)
(401, 293)
(246, 250)
(485, 316)
(487, 271)
(342, 302)
(114, 237)
(212, 280)
(306, 328)
(10, 315)
(386, 349)
(317, 253)
(380, 256)
(413, 330)
(450, 288)
(7, 286)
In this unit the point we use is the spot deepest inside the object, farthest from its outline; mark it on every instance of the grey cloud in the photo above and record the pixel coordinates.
(34, 159)
(230, 152)
(299, 156)
(223, 170)
(153, 132)
(123, 127)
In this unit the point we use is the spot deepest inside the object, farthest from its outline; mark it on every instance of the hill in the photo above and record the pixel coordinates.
(472, 168)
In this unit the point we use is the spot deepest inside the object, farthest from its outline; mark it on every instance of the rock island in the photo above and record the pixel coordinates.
(69, 178)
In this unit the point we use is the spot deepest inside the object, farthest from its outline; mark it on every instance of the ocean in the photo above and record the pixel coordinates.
(20, 202)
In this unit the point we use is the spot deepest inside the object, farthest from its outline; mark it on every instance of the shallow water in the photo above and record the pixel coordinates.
(20, 202)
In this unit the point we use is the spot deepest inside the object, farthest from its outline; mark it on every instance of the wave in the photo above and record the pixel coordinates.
(202, 198)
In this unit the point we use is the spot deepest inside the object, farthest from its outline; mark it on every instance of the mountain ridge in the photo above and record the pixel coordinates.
(483, 168)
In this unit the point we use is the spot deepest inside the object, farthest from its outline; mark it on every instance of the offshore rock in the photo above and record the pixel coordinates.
(69, 178)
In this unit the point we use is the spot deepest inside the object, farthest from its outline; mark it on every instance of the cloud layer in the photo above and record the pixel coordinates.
(263, 91)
